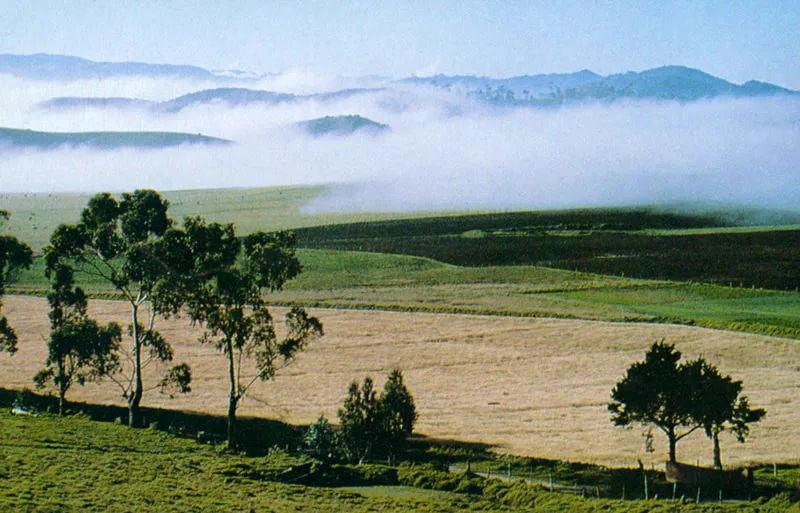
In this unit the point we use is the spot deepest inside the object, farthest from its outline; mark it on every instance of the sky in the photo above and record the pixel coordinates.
(737, 40)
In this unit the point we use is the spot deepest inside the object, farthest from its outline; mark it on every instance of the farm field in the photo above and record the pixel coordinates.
(36, 215)
(359, 280)
(525, 386)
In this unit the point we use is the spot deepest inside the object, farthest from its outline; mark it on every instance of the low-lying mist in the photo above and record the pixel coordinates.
(443, 151)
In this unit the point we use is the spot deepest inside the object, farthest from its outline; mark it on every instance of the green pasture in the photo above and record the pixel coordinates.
(357, 280)
(50, 463)
(407, 272)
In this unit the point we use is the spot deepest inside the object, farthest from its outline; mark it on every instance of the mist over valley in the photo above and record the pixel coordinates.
(665, 135)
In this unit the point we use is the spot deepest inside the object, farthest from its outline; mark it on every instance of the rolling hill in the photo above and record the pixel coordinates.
(342, 125)
(12, 138)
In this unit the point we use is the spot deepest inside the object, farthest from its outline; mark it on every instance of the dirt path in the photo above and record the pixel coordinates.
(529, 386)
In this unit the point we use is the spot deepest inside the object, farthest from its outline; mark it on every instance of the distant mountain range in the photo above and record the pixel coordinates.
(16, 138)
(459, 93)
(667, 82)
(228, 96)
(42, 66)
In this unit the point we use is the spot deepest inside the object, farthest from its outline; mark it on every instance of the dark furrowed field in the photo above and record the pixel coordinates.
(624, 245)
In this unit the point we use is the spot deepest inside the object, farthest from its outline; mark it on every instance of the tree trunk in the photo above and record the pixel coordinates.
(717, 454)
(672, 443)
(62, 388)
(135, 397)
(233, 398)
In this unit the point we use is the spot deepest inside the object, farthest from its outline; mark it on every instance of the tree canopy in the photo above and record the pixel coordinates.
(122, 243)
(223, 286)
(79, 349)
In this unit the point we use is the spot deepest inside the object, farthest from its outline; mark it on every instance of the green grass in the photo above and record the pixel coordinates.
(68, 464)
(357, 280)
(36, 215)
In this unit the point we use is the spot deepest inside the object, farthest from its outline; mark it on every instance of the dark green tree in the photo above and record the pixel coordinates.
(719, 405)
(397, 412)
(225, 293)
(13, 256)
(360, 421)
(656, 392)
(121, 243)
(376, 425)
(79, 349)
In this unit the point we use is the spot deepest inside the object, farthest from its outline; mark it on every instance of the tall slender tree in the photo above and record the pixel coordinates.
(79, 349)
(13, 256)
(121, 244)
(225, 293)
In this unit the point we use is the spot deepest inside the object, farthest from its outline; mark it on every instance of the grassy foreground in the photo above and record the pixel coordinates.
(75, 464)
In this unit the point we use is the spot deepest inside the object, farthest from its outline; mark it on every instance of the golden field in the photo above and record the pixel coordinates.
(534, 387)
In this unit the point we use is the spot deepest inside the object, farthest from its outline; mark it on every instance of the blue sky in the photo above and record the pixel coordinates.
(735, 39)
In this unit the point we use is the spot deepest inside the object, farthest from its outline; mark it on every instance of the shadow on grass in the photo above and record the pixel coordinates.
(427, 459)
(257, 435)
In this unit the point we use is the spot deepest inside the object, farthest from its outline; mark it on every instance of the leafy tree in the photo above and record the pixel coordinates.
(13, 255)
(397, 411)
(225, 293)
(656, 392)
(374, 424)
(121, 243)
(359, 418)
(79, 349)
(718, 405)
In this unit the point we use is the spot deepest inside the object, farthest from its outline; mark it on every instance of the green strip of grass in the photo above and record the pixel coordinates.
(68, 464)
(356, 280)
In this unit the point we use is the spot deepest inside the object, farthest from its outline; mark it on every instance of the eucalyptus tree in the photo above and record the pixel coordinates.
(79, 349)
(13, 256)
(120, 243)
(226, 280)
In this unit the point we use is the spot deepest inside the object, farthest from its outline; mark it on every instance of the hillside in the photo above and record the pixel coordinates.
(342, 126)
(42, 66)
(12, 138)
(664, 83)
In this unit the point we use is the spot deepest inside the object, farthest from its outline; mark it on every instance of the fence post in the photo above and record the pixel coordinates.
(698, 495)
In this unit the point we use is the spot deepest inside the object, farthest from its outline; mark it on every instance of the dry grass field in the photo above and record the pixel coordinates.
(535, 387)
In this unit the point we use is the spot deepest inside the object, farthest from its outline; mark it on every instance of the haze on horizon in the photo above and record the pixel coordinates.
(440, 154)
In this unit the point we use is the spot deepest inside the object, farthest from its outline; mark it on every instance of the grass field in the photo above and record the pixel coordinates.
(527, 386)
(74, 464)
(36, 215)
(358, 280)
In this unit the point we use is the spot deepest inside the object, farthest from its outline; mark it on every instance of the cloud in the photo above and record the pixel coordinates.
(444, 152)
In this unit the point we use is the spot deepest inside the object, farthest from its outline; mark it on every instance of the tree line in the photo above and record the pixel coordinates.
(204, 270)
